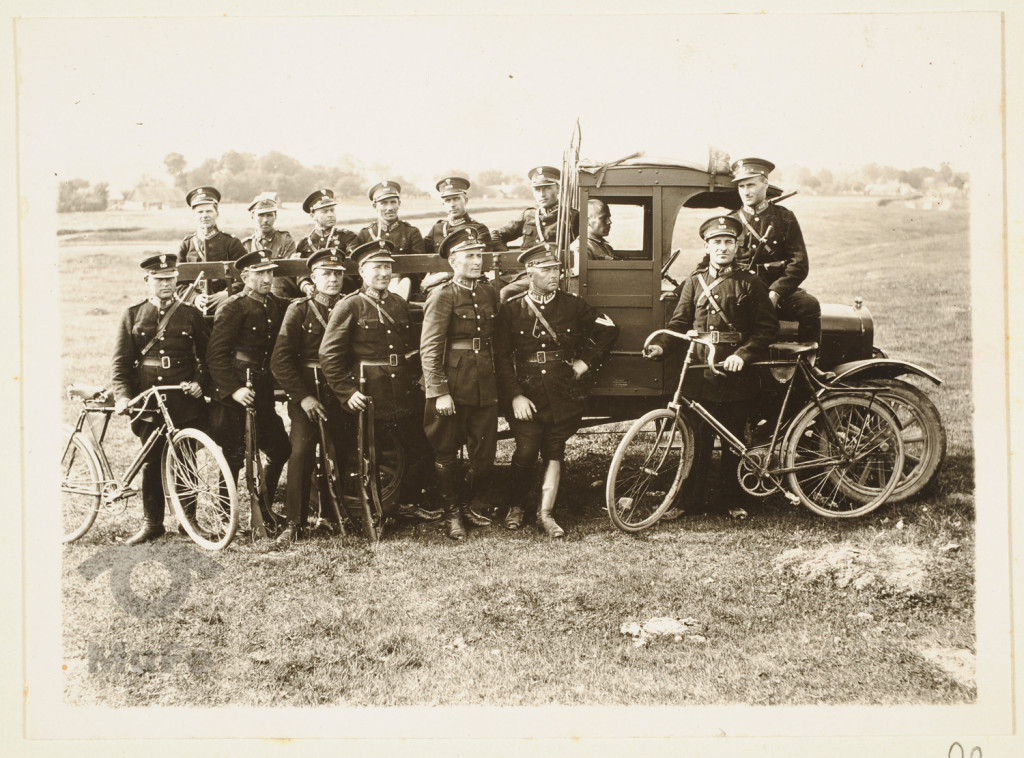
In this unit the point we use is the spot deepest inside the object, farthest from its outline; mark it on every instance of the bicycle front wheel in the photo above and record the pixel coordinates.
(80, 488)
(648, 469)
(844, 458)
(201, 488)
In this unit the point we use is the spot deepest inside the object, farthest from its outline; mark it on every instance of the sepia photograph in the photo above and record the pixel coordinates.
(548, 374)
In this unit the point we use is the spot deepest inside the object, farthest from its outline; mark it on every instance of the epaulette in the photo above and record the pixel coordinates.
(516, 297)
(350, 295)
(139, 304)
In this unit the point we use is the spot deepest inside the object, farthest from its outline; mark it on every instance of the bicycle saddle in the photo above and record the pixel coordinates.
(794, 348)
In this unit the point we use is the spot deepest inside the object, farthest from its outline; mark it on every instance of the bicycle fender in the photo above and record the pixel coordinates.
(880, 368)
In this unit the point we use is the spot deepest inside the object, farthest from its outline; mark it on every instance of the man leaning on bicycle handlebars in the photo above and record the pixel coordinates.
(730, 306)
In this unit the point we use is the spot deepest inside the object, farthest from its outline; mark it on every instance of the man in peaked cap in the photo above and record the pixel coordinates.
(546, 341)
(454, 192)
(320, 204)
(456, 349)
(772, 245)
(386, 197)
(539, 224)
(369, 349)
(241, 343)
(730, 306)
(208, 243)
(295, 363)
(263, 210)
(160, 340)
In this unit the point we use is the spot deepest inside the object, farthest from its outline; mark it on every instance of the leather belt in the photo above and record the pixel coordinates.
(394, 359)
(543, 356)
(725, 338)
(248, 358)
(166, 361)
(476, 344)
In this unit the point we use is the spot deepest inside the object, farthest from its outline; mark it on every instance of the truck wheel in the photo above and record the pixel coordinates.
(924, 437)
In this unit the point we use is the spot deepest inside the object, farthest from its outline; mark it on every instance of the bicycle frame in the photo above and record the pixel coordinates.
(119, 487)
(819, 389)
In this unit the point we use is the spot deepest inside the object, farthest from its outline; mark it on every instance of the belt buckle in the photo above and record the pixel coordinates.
(477, 344)
(715, 337)
(542, 356)
(165, 361)
(393, 359)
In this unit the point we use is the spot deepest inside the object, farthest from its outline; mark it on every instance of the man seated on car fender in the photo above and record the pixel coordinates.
(730, 306)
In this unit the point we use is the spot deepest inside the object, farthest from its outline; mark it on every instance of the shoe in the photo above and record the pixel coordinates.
(287, 536)
(514, 517)
(147, 533)
(475, 517)
(672, 513)
(418, 513)
(456, 531)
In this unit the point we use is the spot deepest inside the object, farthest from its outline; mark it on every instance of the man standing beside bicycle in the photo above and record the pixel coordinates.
(238, 358)
(159, 341)
(368, 352)
(730, 307)
(295, 363)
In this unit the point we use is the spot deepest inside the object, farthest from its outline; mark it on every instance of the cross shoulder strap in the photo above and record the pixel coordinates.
(543, 321)
(712, 301)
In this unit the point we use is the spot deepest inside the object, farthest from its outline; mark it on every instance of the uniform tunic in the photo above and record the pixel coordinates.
(453, 315)
(182, 350)
(218, 247)
(359, 332)
(242, 339)
(781, 263)
(342, 239)
(281, 245)
(580, 332)
(443, 227)
(743, 298)
(295, 364)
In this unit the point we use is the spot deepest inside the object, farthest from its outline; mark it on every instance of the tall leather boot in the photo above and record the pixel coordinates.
(452, 512)
(548, 494)
(152, 507)
(519, 492)
(271, 478)
(474, 507)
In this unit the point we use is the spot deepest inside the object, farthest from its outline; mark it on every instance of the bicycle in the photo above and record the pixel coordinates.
(840, 455)
(196, 477)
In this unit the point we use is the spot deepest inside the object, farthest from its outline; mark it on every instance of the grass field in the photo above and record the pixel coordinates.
(783, 607)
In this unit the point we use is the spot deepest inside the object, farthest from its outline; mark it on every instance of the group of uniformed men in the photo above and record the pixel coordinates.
(523, 350)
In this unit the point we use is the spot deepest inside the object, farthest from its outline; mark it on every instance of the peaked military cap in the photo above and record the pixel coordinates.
(542, 255)
(720, 226)
(543, 175)
(386, 188)
(319, 199)
(374, 251)
(452, 185)
(257, 260)
(162, 266)
(265, 202)
(463, 238)
(330, 258)
(745, 168)
(202, 196)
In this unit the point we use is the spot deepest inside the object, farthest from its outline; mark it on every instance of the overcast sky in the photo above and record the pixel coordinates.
(428, 94)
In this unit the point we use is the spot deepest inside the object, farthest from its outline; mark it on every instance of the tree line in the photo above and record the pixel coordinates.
(240, 176)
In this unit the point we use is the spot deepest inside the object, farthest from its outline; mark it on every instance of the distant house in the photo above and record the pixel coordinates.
(151, 197)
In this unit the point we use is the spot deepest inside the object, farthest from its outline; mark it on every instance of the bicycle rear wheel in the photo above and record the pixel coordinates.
(846, 457)
(201, 488)
(648, 469)
(80, 488)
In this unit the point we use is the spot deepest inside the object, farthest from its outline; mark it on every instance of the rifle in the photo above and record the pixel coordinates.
(190, 292)
(328, 468)
(367, 465)
(254, 468)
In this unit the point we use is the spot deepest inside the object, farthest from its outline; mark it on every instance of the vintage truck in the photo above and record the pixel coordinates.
(639, 292)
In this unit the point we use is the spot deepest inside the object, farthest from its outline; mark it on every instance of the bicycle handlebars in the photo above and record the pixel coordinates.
(692, 338)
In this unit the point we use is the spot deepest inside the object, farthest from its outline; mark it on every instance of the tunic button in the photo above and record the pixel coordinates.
(543, 370)
(391, 346)
(161, 351)
(392, 376)
(543, 344)
(159, 378)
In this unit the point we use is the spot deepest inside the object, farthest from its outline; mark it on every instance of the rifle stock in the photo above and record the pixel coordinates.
(330, 466)
(259, 529)
(366, 472)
